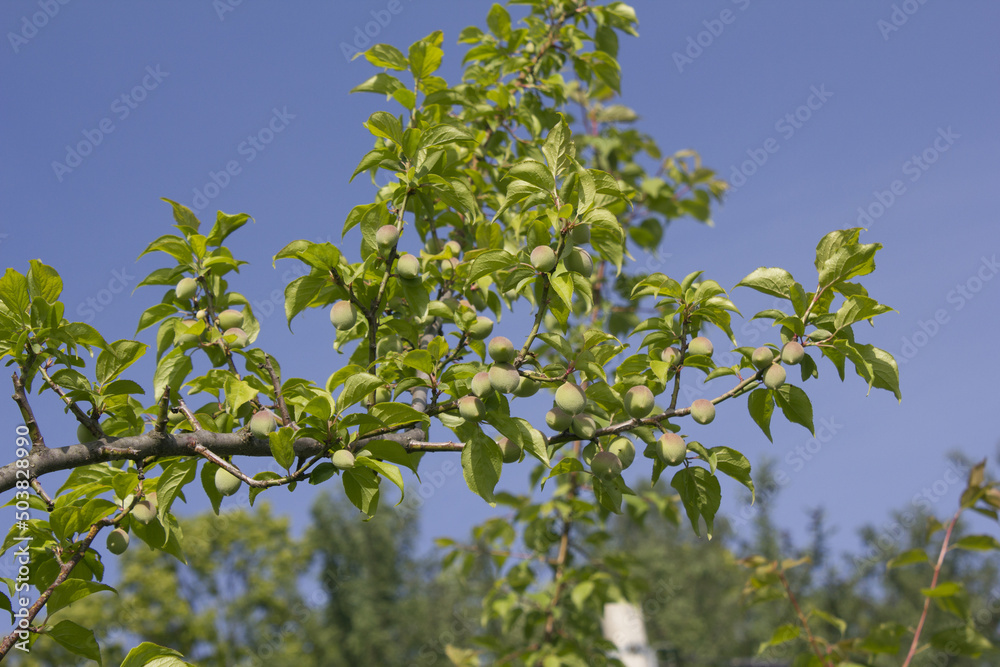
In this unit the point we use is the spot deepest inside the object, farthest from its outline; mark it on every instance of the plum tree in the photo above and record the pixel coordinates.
(671, 449)
(226, 482)
(543, 258)
(186, 288)
(570, 398)
(343, 315)
(501, 349)
(526, 149)
(638, 402)
(700, 345)
(702, 410)
(792, 352)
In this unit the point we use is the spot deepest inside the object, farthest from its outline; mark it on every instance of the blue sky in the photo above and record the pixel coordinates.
(826, 116)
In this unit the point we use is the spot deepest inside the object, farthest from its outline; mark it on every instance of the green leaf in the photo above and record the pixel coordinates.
(490, 262)
(238, 392)
(383, 83)
(781, 634)
(356, 388)
(499, 21)
(858, 308)
(701, 494)
(734, 464)
(907, 558)
(390, 472)
(175, 477)
(760, 403)
(385, 55)
(943, 589)
(795, 405)
(185, 219)
(118, 356)
(72, 590)
(361, 487)
(154, 314)
(14, 293)
(300, 294)
(398, 414)
(43, 282)
(962, 640)
(224, 226)
(773, 281)
(171, 370)
(535, 173)
(425, 58)
(148, 654)
(281, 446)
(977, 543)
(384, 124)
(481, 464)
(77, 639)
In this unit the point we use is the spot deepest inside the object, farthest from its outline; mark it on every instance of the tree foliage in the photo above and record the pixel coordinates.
(482, 173)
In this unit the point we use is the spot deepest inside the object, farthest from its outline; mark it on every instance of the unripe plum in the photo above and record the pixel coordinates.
(792, 352)
(471, 408)
(144, 511)
(558, 420)
(481, 385)
(579, 261)
(504, 378)
(186, 288)
(226, 482)
(83, 434)
(624, 450)
(762, 357)
(262, 423)
(343, 315)
(481, 328)
(230, 319)
(526, 387)
(570, 398)
(118, 541)
(638, 402)
(671, 355)
(671, 449)
(701, 345)
(543, 258)
(702, 410)
(774, 376)
(501, 349)
(583, 426)
(241, 340)
(580, 233)
(343, 459)
(510, 451)
(408, 266)
(386, 237)
(606, 466)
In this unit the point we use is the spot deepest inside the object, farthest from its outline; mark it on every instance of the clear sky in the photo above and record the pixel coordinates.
(882, 114)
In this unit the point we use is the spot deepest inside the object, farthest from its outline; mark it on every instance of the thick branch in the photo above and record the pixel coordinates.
(21, 398)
